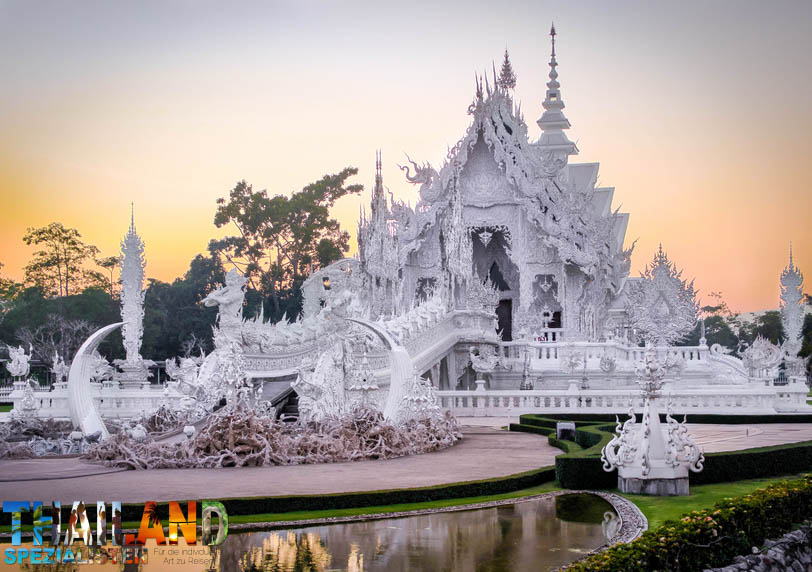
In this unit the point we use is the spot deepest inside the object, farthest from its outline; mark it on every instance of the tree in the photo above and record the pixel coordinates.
(59, 268)
(719, 324)
(174, 319)
(768, 325)
(280, 239)
(109, 263)
(8, 290)
(57, 335)
(33, 315)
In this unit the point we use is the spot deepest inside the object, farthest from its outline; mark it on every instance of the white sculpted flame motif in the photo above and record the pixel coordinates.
(662, 306)
(647, 450)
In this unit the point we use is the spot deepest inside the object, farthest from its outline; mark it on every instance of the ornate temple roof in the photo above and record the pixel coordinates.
(560, 199)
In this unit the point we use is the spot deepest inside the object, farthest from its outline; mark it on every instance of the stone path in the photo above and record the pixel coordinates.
(717, 438)
(483, 453)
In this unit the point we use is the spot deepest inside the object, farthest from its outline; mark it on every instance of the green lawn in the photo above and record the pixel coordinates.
(5, 407)
(660, 509)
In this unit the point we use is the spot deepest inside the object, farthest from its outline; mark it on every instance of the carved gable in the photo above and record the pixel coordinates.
(482, 182)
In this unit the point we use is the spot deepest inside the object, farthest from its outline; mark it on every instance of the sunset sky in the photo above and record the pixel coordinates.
(699, 113)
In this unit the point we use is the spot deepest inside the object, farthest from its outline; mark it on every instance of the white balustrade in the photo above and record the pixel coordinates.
(720, 399)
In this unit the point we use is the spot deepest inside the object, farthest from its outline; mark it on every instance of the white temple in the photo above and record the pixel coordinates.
(506, 288)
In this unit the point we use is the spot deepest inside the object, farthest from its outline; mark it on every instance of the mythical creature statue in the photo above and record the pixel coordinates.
(608, 363)
(229, 299)
(424, 175)
(184, 372)
(483, 359)
(761, 357)
(19, 366)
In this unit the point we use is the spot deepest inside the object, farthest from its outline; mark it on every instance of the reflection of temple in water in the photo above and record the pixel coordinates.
(524, 536)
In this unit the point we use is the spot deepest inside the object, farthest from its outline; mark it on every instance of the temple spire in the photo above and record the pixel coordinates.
(379, 206)
(507, 77)
(553, 121)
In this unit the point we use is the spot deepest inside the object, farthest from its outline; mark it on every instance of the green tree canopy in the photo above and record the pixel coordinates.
(174, 319)
(59, 268)
(281, 239)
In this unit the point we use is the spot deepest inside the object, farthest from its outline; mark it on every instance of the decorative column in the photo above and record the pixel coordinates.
(134, 373)
(792, 319)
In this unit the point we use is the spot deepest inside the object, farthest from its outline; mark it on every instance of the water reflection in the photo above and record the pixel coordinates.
(524, 536)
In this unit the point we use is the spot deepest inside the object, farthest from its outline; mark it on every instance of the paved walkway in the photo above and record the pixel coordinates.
(717, 438)
(483, 453)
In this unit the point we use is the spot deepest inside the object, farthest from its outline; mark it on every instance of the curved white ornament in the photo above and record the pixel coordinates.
(83, 412)
(402, 370)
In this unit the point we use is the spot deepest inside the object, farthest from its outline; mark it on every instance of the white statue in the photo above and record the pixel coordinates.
(60, 369)
(229, 299)
(18, 366)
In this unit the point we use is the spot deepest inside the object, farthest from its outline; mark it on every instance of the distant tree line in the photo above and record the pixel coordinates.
(69, 290)
(724, 327)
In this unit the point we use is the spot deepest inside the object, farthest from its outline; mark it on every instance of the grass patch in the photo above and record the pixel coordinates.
(384, 509)
(6, 407)
(660, 509)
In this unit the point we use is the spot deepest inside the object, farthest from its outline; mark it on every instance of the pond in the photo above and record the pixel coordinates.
(540, 534)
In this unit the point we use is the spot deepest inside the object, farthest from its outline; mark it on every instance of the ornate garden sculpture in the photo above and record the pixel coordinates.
(650, 458)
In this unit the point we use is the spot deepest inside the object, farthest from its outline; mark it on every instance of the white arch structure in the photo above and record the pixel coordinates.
(83, 412)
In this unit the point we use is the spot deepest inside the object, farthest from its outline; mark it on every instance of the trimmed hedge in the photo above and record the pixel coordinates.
(761, 462)
(581, 468)
(282, 504)
(586, 418)
(711, 537)
(531, 429)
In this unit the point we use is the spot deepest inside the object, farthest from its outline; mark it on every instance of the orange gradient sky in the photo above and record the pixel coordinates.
(697, 111)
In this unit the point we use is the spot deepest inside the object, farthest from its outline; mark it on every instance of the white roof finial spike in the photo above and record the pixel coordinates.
(553, 122)
(790, 253)
(132, 215)
(552, 35)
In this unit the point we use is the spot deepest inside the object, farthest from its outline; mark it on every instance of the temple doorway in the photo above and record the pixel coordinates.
(504, 316)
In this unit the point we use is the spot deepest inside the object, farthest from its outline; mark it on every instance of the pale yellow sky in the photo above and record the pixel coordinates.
(698, 113)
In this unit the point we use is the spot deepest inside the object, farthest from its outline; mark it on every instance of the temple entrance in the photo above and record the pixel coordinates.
(491, 261)
(504, 316)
